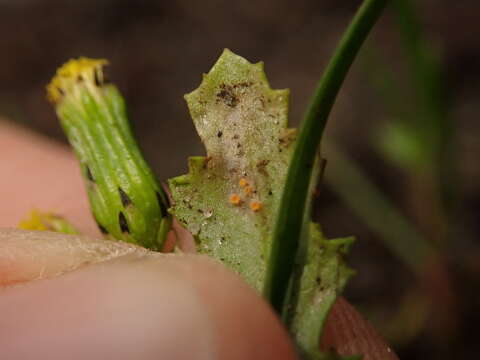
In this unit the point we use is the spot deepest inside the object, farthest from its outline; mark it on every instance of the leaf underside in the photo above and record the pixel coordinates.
(230, 198)
(243, 124)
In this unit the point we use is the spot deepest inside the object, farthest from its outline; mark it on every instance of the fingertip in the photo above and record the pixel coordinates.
(245, 325)
(131, 305)
(195, 293)
(45, 174)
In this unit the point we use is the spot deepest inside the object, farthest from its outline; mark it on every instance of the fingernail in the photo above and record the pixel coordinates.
(33, 255)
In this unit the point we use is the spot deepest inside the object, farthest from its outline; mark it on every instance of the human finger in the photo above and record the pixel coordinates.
(124, 302)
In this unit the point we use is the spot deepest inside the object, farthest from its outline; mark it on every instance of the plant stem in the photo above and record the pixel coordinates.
(289, 221)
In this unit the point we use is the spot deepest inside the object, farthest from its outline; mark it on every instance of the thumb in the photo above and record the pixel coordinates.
(95, 299)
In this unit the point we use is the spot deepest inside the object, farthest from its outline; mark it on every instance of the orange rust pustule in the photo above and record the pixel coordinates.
(243, 182)
(256, 206)
(235, 199)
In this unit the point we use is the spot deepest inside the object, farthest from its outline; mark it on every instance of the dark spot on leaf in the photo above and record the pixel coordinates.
(226, 93)
(243, 84)
(287, 137)
(60, 90)
(187, 203)
(122, 221)
(261, 166)
(124, 198)
(79, 78)
(219, 134)
(96, 78)
(270, 192)
(88, 173)
(162, 205)
(206, 161)
(101, 227)
(235, 137)
(263, 163)
(262, 100)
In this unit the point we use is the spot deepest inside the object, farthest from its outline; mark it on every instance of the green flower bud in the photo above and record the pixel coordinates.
(126, 200)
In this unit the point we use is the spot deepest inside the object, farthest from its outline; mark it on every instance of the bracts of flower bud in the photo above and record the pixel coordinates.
(126, 200)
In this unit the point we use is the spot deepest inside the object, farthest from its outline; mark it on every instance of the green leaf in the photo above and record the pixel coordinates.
(243, 124)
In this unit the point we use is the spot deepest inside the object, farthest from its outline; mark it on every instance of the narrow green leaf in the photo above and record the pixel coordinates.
(324, 276)
(288, 225)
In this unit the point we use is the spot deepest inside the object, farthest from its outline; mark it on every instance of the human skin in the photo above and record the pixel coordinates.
(86, 298)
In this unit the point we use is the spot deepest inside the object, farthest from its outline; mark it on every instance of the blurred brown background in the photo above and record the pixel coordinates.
(403, 139)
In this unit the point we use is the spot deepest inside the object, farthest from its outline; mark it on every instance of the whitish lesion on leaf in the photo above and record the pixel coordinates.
(230, 198)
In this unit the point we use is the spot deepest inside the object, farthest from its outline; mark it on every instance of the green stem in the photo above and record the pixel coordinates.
(289, 221)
